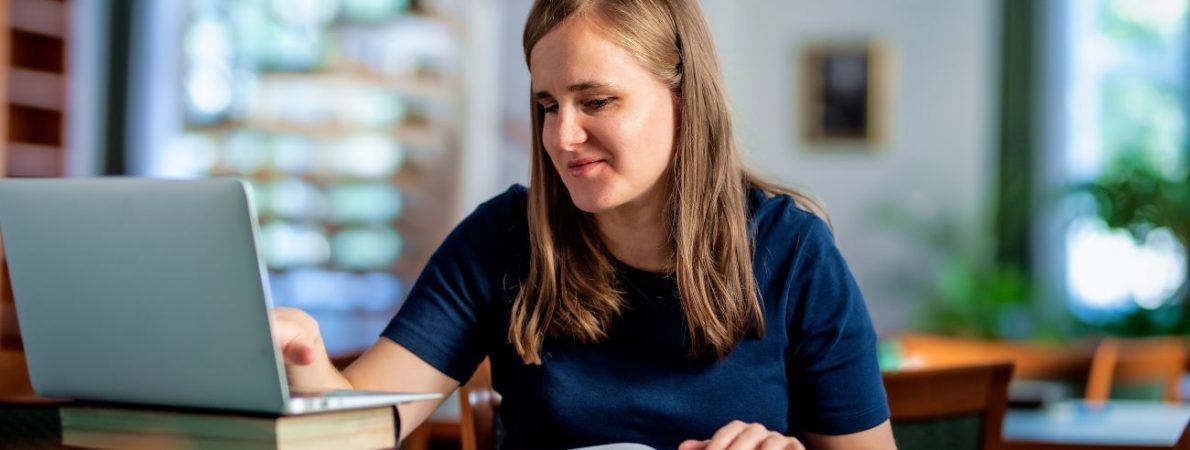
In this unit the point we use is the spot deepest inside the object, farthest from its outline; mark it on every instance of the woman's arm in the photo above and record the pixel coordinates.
(878, 437)
(387, 366)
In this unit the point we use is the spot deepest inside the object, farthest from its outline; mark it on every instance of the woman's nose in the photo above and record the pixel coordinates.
(569, 131)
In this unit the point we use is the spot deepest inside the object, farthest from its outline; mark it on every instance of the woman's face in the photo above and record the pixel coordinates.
(609, 123)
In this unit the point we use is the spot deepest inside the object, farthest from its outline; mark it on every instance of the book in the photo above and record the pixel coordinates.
(108, 427)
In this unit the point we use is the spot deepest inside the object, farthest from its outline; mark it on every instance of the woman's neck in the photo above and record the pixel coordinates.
(638, 235)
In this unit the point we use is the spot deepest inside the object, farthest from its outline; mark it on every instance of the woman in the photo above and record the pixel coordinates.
(646, 288)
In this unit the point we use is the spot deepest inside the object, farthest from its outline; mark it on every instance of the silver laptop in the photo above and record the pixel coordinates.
(150, 292)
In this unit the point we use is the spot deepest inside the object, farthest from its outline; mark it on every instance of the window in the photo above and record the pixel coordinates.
(1126, 99)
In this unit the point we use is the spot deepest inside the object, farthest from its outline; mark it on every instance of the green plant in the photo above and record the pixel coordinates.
(1136, 194)
(964, 291)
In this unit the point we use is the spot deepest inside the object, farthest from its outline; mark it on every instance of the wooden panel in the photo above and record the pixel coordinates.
(939, 392)
(27, 160)
(43, 17)
(37, 52)
(945, 392)
(1041, 361)
(10, 336)
(5, 56)
(34, 126)
(43, 90)
(10, 332)
(16, 374)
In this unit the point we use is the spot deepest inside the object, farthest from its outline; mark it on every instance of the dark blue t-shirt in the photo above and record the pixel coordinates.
(813, 370)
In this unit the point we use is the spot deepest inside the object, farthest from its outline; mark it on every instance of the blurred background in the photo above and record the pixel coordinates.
(1009, 169)
(1002, 168)
(994, 169)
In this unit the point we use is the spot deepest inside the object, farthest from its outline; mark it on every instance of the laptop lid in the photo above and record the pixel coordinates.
(142, 291)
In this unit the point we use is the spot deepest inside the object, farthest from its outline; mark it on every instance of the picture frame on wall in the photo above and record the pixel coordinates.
(842, 94)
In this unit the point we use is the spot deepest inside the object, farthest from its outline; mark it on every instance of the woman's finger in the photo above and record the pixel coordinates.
(292, 336)
(692, 444)
(726, 435)
(750, 438)
(779, 442)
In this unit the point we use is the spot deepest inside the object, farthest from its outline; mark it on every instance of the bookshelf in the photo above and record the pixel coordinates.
(34, 35)
(346, 117)
(396, 78)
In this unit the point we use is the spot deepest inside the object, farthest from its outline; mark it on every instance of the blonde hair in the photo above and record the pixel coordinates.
(572, 288)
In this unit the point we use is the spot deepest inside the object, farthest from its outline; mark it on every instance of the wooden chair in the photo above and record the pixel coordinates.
(952, 407)
(1158, 360)
(1038, 361)
(478, 404)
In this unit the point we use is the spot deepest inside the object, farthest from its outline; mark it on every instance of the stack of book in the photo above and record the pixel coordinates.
(108, 427)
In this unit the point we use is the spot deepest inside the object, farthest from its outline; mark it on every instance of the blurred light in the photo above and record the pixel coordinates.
(369, 107)
(366, 248)
(305, 13)
(245, 91)
(294, 48)
(373, 10)
(1144, 114)
(208, 90)
(246, 151)
(1161, 263)
(368, 156)
(400, 47)
(289, 245)
(296, 103)
(208, 41)
(324, 289)
(1162, 16)
(368, 203)
(375, 291)
(189, 155)
(1109, 271)
(250, 24)
(309, 288)
(293, 154)
(296, 199)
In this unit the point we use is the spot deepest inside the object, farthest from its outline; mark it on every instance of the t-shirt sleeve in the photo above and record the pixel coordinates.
(447, 316)
(835, 382)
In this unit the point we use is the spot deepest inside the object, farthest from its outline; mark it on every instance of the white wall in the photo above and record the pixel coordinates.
(941, 149)
(497, 142)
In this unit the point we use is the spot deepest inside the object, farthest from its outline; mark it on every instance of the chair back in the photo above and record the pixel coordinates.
(1119, 362)
(1031, 360)
(954, 407)
(478, 406)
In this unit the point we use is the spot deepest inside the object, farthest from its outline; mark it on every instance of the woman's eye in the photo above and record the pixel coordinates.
(599, 103)
(550, 109)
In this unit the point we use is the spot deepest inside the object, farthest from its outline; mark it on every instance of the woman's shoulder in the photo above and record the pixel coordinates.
(499, 217)
(508, 207)
(777, 216)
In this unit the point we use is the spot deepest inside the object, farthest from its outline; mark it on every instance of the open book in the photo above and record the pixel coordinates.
(618, 446)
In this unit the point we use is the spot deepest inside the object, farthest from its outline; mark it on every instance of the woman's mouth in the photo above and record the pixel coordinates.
(584, 167)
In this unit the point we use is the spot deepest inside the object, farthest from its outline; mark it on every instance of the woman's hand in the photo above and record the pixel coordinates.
(738, 435)
(297, 334)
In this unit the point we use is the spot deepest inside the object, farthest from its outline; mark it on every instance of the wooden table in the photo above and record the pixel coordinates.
(1116, 424)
